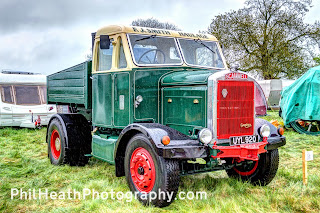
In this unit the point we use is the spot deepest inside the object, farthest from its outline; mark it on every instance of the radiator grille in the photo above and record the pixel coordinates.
(235, 108)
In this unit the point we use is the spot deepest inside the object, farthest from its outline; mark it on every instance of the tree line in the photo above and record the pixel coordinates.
(269, 38)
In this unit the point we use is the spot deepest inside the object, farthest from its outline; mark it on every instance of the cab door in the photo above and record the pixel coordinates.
(111, 86)
(121, 99)
(122, 87)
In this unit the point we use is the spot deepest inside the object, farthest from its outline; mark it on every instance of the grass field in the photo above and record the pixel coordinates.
(24, 164)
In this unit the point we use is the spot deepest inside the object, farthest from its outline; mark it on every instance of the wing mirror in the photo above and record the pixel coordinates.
(104, 42)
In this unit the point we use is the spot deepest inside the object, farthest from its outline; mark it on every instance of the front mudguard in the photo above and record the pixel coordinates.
(180, 147)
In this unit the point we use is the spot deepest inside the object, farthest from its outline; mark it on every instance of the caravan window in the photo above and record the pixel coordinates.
(27, 95)
(6, 93)
(43, 92)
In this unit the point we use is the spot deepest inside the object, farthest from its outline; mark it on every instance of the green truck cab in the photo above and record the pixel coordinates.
(159, 104)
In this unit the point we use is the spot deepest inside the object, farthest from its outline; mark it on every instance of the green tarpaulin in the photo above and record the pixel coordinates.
(301, 100)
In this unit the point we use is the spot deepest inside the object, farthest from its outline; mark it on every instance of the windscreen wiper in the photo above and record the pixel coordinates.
(148, 37)
(200, 42)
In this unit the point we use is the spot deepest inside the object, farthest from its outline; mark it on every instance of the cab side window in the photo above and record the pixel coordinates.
(122, 59)
(105, 58)
(6, 93)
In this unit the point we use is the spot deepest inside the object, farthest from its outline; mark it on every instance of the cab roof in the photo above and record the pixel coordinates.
(115, 29)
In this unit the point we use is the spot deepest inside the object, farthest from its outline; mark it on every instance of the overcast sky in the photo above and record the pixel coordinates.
(45, 36)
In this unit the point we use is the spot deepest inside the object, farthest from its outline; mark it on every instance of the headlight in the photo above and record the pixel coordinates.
(205, 136)
(265, 130)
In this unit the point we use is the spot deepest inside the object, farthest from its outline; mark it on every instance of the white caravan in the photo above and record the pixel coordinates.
(24, 100)
(272, 89)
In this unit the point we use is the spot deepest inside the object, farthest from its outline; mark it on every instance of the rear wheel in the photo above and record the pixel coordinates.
(259, 172)
(56, 143)
(306, 127)
(149, 176)
(73, 153)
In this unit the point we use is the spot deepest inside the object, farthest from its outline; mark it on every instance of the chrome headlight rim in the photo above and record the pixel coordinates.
(205, 136)
(265, 130)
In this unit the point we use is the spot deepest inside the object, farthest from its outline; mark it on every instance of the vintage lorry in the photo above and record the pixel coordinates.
(159, 104)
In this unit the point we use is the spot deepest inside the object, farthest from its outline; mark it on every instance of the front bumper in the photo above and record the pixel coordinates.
(190, 149)
(275, 142)
(186, 150)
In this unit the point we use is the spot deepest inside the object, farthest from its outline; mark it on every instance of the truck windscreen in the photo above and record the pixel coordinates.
(149, 50)
(201, 53)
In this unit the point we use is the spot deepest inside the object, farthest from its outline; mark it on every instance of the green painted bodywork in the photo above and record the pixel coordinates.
(72, 85)
(103, 147)
(186, 110)
(113, 97)
(187, 78)
(156, 86)
(102, 100)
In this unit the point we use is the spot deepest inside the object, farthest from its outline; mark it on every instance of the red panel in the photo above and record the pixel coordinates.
(241, 152)
(235, 108)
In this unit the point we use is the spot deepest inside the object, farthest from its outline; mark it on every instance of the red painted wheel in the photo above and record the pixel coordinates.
(149, 174)
(142, 170)
(259, 172)
(55, 144)
(59, 151)
(248, 170)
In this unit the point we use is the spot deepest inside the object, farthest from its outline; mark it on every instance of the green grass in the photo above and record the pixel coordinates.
(24, 164)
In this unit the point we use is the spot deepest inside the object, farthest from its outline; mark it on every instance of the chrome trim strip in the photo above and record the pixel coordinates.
(212, 101)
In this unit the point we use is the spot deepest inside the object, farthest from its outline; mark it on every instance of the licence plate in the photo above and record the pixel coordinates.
(244, 140)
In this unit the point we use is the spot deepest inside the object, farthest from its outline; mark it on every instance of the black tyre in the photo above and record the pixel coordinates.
(148, 174)
(260, 172)
(59, 152)
(306, 127)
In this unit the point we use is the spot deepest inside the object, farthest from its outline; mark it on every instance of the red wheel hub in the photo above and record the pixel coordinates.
(142, 170)
(55, 144)
(249, 172)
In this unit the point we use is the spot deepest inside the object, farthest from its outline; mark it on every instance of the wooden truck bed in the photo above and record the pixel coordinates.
(71, 86)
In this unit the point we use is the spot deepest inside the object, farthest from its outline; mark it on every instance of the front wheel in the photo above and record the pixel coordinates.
(153, 179)
(259, 172)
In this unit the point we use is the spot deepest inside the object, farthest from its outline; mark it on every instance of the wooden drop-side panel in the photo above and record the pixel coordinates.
(71, 86)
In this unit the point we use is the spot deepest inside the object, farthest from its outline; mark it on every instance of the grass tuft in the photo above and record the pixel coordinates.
(24, 164)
